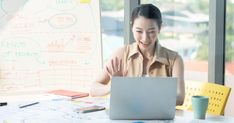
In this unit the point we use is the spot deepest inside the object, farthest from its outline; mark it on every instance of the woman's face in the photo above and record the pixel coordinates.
(145, 32)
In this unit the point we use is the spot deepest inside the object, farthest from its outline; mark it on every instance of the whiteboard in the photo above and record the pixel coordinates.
(48, 44)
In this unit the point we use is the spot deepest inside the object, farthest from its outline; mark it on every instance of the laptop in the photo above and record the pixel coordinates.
(144, 98)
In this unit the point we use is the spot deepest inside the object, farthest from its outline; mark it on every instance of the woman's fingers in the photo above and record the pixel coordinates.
(113, 66)
(120, 65)
(115, 69)
(116, 64)
(108, 71)
(125, 72)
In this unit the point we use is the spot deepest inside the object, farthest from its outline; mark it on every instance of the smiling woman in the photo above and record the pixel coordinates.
(145, 32)
(145, 57)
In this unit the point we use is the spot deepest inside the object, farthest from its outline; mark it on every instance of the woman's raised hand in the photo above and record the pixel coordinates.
(116, 68)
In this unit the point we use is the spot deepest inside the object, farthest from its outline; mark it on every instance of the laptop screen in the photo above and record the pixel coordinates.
(143, 97)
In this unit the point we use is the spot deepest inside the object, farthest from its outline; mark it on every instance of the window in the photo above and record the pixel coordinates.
(112, 24)
(185, 30)
(229, 53)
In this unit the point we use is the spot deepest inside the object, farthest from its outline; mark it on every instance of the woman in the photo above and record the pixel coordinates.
(145, 57)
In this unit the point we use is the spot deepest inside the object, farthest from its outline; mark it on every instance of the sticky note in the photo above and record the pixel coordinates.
(85, 1)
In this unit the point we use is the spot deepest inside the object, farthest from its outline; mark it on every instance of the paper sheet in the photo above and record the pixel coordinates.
(52, 111)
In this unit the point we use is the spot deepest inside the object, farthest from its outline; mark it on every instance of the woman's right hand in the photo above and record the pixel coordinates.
(115, 68)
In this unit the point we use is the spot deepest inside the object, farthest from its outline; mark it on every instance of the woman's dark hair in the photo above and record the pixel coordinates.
(148, 11)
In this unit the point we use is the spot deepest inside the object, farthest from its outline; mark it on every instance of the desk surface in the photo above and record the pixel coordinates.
(63, 110)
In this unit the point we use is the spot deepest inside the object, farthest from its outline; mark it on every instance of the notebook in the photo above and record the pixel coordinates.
(69, 93)
(143, 98)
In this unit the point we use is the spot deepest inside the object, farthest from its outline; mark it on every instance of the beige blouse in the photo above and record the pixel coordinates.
(161, 65)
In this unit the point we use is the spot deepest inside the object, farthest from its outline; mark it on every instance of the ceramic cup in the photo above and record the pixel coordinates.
(199, 105)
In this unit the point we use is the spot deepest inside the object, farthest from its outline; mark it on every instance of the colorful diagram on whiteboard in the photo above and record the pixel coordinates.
(49, 44)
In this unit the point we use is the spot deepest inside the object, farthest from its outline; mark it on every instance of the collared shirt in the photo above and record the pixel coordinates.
(161, 65)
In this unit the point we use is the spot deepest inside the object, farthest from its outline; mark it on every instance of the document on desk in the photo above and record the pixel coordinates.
(51, 111)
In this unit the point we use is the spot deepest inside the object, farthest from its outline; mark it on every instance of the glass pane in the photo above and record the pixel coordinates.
(229, 55)
(185, 30)
(112, 21)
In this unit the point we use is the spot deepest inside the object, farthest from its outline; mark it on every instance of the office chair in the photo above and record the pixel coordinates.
(218, 96)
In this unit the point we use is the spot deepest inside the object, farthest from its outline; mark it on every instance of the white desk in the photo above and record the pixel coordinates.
(63, 111)
(181, 117)
(188, 116)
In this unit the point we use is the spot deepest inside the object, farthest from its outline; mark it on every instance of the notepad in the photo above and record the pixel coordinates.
(69, 93)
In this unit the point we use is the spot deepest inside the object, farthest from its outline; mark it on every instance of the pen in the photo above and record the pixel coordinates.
(29, 105)
(3, 103)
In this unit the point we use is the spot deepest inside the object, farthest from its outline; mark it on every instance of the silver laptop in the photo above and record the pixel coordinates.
(143, 98)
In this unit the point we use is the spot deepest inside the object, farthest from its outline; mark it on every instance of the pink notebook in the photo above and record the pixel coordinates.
(69, 93)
